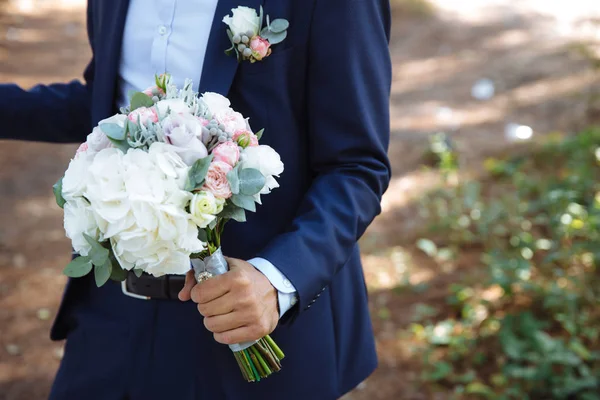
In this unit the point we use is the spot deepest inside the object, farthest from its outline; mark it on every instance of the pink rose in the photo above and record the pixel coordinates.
(144, 115)
(216, 179)
(83, 147)
(231, 120)
(260, 47)
(227, 152)
(245, 138)
(97, 140)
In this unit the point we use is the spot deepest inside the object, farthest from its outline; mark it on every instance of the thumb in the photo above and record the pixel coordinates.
(186, 293)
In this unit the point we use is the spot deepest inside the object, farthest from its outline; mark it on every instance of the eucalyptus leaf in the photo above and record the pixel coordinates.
(132, 127)
(272, 37)
(102, 272)
(138, 272)
(202, 235)
(233, 212)
(79, 267)
(251, 181)
(259, 134)
(98, 254)
(279, 25)
(212, 224)
(118, 274)
(113, 131)
(120, 144)
(198, 172)
(234, 180)
(139, 100)
(57, 189)
(243, 201)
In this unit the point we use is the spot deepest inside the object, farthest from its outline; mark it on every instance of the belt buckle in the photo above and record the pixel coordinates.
(128, 293)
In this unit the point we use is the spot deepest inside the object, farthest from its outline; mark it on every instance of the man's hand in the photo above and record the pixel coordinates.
(238, 306)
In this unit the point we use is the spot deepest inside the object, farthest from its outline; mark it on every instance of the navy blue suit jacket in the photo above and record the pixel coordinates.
(323, 99)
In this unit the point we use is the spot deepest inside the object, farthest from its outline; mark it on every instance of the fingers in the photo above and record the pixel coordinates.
(227, 322)
(223, 305)
(186, 293)
(211, 289)
(240, 335)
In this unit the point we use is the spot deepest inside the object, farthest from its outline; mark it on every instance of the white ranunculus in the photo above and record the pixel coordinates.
(243, 21)
(97, 141)
(204, 207)
(75, 181)
(79, 219)
(171, 106)
(184, 132)
(267, 161)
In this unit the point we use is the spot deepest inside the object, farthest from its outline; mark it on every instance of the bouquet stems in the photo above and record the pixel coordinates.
(256, 360)
(259, 360)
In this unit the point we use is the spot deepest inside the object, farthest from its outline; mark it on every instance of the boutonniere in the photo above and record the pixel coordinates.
(249, 39)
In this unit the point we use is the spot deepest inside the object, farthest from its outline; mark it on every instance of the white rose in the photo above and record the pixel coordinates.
(204, 207)
(79, 219)
(171, 106)
(184, 132)
(75, 181)
(244, 20)
(215, 102)
(267, 161)
(97, 140)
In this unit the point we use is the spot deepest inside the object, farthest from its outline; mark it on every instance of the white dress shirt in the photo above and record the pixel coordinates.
(172, 36)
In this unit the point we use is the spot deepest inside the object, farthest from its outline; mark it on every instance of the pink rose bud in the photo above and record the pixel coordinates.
(144, 115)
(245, 139)
(216, 179)
(260, 47)
(153, 91)
(161, 81)
(227, 152)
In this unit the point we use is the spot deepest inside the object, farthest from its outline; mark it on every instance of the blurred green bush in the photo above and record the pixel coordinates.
(532, 329)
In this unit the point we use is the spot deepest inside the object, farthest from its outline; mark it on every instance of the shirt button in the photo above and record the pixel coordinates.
(287, 283)
(293, 301)
(162, 30)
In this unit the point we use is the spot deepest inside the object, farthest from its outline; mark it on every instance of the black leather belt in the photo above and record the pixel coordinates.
(148, 287)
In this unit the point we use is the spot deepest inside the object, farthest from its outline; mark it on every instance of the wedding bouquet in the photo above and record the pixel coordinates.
(153, 187)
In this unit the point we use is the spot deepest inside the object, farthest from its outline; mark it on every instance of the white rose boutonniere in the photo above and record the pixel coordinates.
(249, 39)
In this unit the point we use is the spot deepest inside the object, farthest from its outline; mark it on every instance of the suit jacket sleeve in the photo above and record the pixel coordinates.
(349, 77)
(58, 113)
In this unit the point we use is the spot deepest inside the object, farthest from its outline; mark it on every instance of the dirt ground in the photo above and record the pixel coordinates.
(439, 53)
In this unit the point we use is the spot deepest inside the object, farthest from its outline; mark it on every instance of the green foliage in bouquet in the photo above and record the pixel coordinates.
(532, 329)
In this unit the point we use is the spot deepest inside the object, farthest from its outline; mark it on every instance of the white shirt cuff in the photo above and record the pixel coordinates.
(287, 294)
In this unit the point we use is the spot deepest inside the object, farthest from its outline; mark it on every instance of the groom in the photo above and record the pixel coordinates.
(322, 97)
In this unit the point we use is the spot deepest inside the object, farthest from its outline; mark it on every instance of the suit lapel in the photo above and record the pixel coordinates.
(108, 52)
(219, 69)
